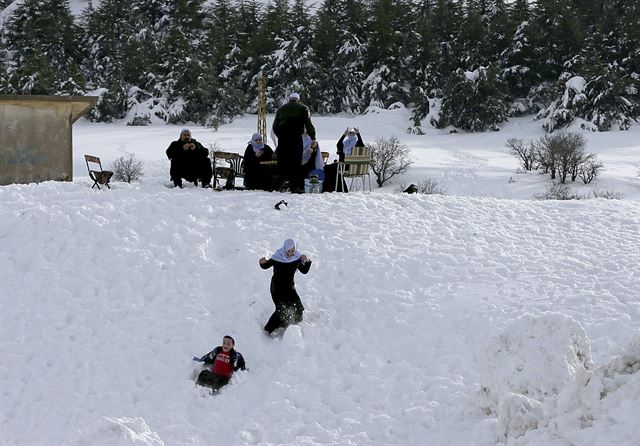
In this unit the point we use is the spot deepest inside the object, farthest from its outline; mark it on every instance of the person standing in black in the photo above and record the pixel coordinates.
(189, 160)
(291, 121)
(285, 261)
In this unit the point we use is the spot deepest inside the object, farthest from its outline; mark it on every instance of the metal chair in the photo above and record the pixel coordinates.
(227, 165)
(98, 176)
(355, 165)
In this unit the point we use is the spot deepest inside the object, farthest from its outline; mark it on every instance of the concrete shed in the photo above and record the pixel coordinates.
(35, 137)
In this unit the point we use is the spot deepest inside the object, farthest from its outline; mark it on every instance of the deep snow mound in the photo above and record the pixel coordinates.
(538, 379)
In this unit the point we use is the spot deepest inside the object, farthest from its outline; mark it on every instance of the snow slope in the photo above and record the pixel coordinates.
(430, 320)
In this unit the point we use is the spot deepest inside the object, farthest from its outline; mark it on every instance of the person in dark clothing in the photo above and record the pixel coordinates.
(350, 138)
(189, 160)
(285, 261)
(290, 122)
(222, 361)
(256, 175)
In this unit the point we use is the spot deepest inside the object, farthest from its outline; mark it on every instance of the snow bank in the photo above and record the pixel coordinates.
(540, 382)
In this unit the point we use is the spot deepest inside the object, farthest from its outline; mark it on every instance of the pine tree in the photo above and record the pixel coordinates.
(112, 65)
(223, 53)
(520, 58)
(474, 100)
(323, 93)
(41, 42)
(472, 39)
(611, 95)
(348, 69)
(190, 80)
(559, 38)
(289, 67)
(422, 64)
(446, 24)
(388, 78)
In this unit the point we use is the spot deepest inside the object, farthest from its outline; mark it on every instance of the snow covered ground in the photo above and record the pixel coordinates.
(479, 317)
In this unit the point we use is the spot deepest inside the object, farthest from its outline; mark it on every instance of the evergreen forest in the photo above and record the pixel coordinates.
(462, 64)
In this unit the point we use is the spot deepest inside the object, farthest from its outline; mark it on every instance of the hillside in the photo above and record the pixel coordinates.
(430, 320)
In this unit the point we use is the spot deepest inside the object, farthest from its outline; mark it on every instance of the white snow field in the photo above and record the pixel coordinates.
(479, 317)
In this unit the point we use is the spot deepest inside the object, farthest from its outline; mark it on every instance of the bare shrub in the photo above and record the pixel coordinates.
(589, 169)
(388, 158)
(526, 152)
(127, 168)
(561, 153)
(558, 192)
(431, 186)
(607, 194)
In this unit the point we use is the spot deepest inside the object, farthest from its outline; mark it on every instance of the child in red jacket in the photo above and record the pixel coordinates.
(222, 361)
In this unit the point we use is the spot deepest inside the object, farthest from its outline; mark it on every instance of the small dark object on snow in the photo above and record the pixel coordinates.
(412, 189)
(281, 202)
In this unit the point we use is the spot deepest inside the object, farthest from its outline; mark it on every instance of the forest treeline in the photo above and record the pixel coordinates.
(466, 64)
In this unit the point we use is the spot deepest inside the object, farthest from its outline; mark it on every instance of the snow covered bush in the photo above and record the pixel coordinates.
(389, 158)
(127, 168)
(603, 97)
(474, 101)
(562, 111)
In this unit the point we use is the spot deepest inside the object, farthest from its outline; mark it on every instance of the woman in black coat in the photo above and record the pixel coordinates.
(256, 175)
(285, 261)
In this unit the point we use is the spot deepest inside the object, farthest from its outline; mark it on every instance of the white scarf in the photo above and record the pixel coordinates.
(349, 143)
(307, 151)
(281, 254)
(256, 147)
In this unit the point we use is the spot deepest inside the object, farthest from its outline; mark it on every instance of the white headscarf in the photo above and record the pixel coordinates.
(307, 151)
(348, 143)
(281, 254)
(256, 147)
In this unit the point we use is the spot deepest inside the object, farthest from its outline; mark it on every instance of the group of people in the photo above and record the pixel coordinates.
(297, 156)
(221, 362)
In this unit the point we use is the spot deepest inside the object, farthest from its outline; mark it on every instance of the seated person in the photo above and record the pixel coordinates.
(189, 160)
(350, 138)
(345, 146)
(222, 361)
(311, 156)
(256, 175)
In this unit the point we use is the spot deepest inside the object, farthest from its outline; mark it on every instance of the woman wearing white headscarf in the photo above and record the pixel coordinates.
(256, 175)
(311, 157)
(348, 141)
(285, 261)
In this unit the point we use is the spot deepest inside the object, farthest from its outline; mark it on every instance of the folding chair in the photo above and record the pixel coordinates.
(355, 165)
(98, 176)
(233, 169)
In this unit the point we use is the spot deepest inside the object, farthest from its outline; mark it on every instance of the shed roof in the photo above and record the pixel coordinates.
(79, 104)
